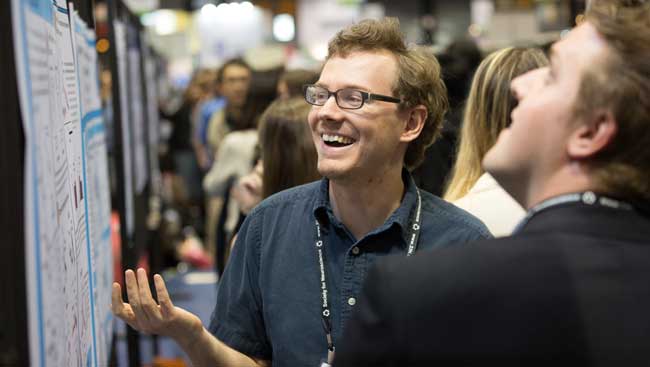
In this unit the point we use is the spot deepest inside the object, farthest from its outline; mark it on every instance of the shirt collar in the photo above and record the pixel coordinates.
(400, 218)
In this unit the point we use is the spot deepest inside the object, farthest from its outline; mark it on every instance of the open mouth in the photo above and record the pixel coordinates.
(336, 141)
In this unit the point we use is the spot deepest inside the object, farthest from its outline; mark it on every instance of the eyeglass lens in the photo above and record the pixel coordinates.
(345, 98)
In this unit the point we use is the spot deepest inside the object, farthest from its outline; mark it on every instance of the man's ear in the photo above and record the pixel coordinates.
(414, 123)
(593, 136)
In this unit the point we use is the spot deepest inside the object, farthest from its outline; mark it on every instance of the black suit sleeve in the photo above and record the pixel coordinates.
(370, 333)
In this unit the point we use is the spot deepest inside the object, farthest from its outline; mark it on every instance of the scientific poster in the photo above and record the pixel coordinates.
(95, 163)
(62, 309)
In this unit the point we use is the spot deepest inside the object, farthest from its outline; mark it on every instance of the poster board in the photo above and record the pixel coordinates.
(13, 318)
(66, 206)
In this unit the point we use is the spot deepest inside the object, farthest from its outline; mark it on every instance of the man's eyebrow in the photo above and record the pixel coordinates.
(345, 86)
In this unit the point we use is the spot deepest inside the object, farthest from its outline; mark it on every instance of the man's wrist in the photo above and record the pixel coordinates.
(192, 339)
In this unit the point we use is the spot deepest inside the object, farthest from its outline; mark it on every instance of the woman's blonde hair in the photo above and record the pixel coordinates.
(487, 112)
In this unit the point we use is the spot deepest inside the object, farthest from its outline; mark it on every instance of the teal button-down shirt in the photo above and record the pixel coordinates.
(269, 299)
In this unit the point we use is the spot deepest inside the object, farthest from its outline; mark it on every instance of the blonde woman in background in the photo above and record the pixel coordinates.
(487, 112)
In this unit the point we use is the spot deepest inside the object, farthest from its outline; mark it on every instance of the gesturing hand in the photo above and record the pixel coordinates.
(145, 315)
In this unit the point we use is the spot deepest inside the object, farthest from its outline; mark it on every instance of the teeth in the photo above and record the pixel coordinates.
(337, 138)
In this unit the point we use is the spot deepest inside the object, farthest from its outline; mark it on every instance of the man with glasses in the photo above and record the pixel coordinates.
(572, 285)
(301, 255)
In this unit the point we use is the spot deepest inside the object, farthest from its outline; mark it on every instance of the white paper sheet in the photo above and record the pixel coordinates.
(78, 302)
(32, 27)
(97, 187)
(61, 308)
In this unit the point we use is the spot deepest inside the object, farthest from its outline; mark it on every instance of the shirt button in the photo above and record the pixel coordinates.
(355, 250)
(352, 301)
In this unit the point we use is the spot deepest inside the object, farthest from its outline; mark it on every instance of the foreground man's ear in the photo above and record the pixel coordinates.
(593, 135)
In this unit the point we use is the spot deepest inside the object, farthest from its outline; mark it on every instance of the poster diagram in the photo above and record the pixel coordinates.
(67, 209)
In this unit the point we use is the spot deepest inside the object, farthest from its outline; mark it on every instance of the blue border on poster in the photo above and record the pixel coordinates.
(44, 10)
(83, 124)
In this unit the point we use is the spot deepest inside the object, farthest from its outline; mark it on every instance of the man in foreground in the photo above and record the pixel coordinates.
(572, 284)
(301, 255)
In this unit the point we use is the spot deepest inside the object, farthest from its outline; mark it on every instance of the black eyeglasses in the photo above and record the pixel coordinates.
(346, 98)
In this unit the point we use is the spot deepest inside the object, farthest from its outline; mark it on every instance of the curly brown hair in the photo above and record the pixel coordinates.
(418, 82)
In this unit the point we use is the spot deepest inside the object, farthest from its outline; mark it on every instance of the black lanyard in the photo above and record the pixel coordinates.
(414, 234)
(587, 197)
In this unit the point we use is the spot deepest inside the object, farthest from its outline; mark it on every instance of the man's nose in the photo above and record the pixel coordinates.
(519, 85)
(330, 110)
(526, 82)
(514, 90)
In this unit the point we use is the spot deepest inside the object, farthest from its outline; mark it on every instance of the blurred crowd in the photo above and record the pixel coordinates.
(390, 258)
(236, 136)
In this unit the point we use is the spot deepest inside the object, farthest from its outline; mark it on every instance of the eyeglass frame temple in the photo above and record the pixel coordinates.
(381, 97)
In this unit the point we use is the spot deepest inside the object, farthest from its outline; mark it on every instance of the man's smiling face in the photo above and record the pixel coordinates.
(361, 143)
